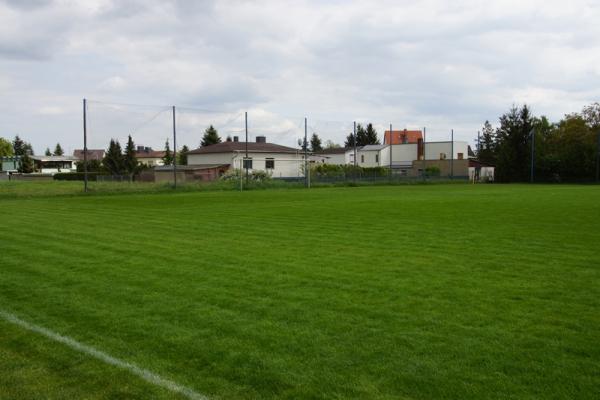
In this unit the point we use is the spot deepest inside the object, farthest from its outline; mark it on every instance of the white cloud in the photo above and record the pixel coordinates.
(430, 63)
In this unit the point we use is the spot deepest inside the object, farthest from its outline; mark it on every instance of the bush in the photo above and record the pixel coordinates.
(432, 171)
(236, 174)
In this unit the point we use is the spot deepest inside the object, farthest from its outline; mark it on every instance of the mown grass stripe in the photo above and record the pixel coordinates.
(145, 374)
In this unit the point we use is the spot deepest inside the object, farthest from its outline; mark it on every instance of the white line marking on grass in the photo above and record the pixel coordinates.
(146, 375)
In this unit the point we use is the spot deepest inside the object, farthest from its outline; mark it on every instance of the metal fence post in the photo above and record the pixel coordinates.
(174, 151)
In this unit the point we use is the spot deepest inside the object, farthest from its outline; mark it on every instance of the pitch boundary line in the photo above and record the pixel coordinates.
(145, 374)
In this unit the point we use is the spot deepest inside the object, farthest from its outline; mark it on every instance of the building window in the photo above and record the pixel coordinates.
(442, 156)
(270, 163)
(248, 163)
(362, 158)
(460, 156)
(376, 158)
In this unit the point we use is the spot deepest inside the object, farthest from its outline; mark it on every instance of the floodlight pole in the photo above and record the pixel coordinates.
(452, 154)
(85, 172)
(246, 156)
(174, 151)
(531, 178)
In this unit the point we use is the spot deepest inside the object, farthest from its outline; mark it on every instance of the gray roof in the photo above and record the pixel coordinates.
(233, 147)
(373, 147)
(54, 158)
(193, 167)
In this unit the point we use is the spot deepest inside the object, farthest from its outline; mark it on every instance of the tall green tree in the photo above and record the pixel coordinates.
(350, 139)
(315, 143)
(168, 157)
(130, 161)
(370, 135)
(591, 115)
(573, 148)
(513, 138)
(113, 160)
(487, 145)
(47, 153)
(6, 148)
(26, 165)
(211, 136)
(182, 157)
(361, 135)
(18, 146)
(58, 150)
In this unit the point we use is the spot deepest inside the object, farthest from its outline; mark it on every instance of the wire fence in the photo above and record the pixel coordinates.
(173, 145)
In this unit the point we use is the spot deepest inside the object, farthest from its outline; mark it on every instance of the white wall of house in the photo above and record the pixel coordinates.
(72, 168)
(286, 165)
(404, 154)
(369, 158)
(151, 161)
(434, 150)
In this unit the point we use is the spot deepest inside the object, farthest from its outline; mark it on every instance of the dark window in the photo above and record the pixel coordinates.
(270, 163)
(376, 158)
(362, 158)
(460, 156)
(248, 163)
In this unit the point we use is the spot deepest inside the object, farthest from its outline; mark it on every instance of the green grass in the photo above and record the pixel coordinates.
(414, 292)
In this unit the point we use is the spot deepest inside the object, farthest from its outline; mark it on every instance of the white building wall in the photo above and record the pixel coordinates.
(369, 158)
(434, 149)
(404, 154)
(286, 165)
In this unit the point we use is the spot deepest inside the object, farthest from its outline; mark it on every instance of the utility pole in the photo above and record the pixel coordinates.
(531, 178)
(306, 171)
(85, 171)
(246, 157)
(452, 152)
(174, 151)
(478, 143)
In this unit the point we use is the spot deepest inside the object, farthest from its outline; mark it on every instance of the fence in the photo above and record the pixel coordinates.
(169, 144)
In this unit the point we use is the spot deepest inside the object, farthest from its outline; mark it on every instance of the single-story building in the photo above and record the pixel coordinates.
(337, 156)
(480, 171)
(278, 161)
(149, 157)
(54, 164)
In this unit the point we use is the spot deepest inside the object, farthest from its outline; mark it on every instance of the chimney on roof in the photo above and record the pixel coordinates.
(261, 139)
(236, 139)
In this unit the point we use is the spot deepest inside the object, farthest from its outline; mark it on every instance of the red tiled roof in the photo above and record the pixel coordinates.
(231, 147)
(398, 136)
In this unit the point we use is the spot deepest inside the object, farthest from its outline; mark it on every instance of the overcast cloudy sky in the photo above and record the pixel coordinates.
(440, 64)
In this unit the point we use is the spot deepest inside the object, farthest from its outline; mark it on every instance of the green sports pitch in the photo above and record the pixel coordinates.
(387, 292)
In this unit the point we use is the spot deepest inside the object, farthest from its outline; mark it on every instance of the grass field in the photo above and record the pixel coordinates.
(410, 292)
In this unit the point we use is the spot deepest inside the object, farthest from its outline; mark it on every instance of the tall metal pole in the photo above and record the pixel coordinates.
(478, 143)
(424, 163)
(174, 151)
(246, 156)
(531, 178)
(355, 160)
(85, 169)
(452, 152)
(306, 171)
(598, 160)
(390, 151)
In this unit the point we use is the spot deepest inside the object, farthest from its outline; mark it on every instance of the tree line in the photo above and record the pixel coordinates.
(564, 150)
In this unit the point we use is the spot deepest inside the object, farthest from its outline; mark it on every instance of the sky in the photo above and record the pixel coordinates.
(436, 64)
